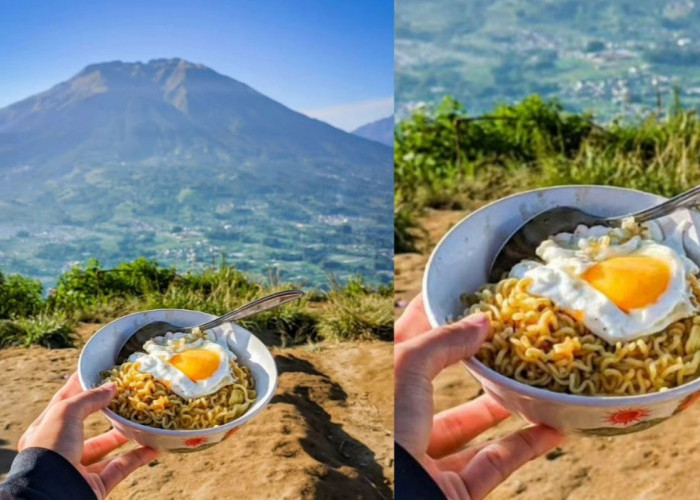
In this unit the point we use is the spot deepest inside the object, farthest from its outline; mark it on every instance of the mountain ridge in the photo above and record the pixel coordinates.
(218, 126)
(174, 161)
(381, 131)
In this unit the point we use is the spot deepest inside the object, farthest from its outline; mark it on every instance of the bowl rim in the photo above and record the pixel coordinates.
(185, 432)
(483, 371)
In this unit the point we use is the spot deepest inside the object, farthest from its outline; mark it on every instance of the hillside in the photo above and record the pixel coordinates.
(159, 113)
(172, 160)
(610, 57)
(380, 131)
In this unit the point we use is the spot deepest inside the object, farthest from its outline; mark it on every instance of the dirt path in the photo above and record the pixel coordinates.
(658, 463)
(408, 267)
(328, 430)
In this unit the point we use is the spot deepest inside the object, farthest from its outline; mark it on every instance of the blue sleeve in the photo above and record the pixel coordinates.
(412, 481)
(40, 474)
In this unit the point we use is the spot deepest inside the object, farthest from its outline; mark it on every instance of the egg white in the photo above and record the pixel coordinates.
(566, 258)
(160, 350)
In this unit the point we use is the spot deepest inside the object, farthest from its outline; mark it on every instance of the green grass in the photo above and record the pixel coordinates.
(446, 159)
(48, 331)
(89, 293)
(407, 230)
(363, 316)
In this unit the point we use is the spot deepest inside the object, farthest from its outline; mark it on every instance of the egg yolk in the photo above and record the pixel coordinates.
(630, 282)
(197, 364)
(577, 315)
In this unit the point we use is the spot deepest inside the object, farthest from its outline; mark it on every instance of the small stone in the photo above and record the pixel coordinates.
(554, 454)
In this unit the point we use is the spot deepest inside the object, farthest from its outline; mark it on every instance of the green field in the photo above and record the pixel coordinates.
(303, 238)
(611, 57)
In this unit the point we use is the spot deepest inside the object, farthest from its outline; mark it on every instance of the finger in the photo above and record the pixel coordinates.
(454, 427)
(416, 362)
(459, 459)
(96, 448)
(70, 388)
(430, 353)
(120, 467)
(90, 401)
(497, 460)
(413, 321)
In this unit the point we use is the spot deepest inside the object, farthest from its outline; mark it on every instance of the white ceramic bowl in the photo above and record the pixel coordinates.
(460, 263)
(100, 353)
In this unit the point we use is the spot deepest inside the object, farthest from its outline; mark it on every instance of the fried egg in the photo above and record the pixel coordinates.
(191, 365)
(621, 283)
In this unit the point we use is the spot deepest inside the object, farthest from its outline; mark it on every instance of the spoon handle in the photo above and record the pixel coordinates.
(255, 307)
(689, 199)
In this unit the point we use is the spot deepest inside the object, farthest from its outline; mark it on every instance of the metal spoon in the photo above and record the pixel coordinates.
(159, 328)
(522, 243)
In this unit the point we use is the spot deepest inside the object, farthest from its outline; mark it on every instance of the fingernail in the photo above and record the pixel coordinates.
(109, 386)
(479, 321)
(476, 319)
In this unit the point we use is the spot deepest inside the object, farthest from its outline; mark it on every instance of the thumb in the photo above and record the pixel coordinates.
(417, 362)
(430, 353)
(412, 322)
(119, 467)
(88, 402)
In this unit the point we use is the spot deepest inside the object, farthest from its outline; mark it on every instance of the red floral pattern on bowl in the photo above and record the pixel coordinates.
(627, 416)
(688, 401)
(195, 442)
(232, 432)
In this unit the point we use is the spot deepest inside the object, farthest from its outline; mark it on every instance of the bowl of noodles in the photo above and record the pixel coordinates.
(185, 392)
(599, 335)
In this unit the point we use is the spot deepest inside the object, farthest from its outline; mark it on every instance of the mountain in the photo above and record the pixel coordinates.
(381, 131)
(610, 57)
(162, 111)
(174, 161)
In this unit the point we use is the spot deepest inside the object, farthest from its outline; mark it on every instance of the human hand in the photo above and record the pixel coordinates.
(60, 428)
(437, 441)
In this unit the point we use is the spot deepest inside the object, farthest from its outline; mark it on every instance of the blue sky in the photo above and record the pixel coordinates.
(333, 60)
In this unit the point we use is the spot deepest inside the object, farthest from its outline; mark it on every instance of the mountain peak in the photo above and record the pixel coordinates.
(164, 111)
(155, 68)
(381, 131)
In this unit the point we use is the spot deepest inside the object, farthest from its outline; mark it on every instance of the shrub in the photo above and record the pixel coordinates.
(357, 317)
(40, 330)
(407, 230)
(19, 296)
(91, 293)
(446, 159)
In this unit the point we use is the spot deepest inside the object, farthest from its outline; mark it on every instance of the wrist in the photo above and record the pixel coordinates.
(41, 471)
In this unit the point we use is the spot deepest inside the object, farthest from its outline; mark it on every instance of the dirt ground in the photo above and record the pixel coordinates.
(328, 432)
(660, 462)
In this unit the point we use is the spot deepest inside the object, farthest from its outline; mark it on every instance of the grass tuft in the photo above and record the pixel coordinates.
(42, 330)
(93, 294)
(367, 316)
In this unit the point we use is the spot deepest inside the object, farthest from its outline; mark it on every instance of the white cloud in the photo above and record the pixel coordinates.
(355, 114)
